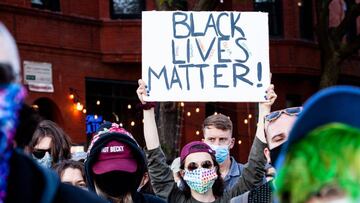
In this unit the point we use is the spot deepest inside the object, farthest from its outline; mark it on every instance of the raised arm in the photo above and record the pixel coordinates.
(264, 109)
(160, 173)
(150, 130)
(253, 173)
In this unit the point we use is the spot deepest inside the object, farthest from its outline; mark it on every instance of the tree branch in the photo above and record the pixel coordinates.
(349, 48)
(352, 13)
(322, 25)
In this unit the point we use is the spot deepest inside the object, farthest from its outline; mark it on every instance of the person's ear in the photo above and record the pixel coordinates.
(182, 172)
(144, 179)
(202, 140)
(232, 142)
(267, 154)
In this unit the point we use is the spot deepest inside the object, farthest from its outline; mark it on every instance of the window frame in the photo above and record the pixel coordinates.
(275, 18)
(115, 16)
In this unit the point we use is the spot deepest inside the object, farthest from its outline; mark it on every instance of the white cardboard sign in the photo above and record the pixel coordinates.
(205, 56)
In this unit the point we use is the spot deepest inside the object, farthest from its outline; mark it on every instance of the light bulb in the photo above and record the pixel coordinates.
(79, 106)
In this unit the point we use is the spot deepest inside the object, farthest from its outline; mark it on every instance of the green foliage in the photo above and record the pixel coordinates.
(327, 157)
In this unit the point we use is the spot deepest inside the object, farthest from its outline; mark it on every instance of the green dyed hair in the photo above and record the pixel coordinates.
(327, 156)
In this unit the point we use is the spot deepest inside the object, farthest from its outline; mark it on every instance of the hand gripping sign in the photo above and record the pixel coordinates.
(205, 56)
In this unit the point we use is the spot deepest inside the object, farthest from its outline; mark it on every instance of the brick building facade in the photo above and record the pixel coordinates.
(95, 54)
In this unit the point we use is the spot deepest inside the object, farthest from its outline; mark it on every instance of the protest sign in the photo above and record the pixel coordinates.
(205, 56)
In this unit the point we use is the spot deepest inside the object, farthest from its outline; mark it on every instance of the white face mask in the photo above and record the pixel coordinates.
(45, 161)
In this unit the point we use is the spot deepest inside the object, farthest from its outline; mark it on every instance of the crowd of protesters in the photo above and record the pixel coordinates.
(299, 154)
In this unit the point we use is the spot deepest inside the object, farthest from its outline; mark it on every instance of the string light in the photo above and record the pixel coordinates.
(197, 110)
(215, 113)
(239, 142)
(79, 106)
(246, 121)
(182, 104)
(35, 106)
(197, 132)
(188, 113)
(95, 117)
(121, 125)
(98, 102)
(76, 101)
(132, 123)
(129, 106)
(250, 116)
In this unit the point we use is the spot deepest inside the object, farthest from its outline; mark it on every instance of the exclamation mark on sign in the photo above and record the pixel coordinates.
(259, 74)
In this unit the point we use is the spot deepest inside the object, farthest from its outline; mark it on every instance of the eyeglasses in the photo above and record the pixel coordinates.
(293, 111)
(205, 164)
(40, 153)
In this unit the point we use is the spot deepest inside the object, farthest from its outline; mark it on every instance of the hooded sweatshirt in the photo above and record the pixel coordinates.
(115, 133)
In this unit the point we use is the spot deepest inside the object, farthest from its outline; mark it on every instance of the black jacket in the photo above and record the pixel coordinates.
(28, 182)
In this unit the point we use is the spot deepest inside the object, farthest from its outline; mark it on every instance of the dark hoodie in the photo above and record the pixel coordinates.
(95, 149)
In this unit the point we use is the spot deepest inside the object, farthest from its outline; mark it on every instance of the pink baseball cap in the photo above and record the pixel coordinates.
(115, 156)
(195, 146)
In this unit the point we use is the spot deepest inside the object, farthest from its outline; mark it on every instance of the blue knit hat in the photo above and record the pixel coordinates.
(338, 104)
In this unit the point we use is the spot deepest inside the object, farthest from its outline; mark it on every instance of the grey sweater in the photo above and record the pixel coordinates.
(164, 186)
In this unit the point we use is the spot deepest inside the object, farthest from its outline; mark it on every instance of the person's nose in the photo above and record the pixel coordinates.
(217, 142)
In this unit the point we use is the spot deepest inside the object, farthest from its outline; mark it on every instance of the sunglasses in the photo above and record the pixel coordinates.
(40, 153)
(205, 164)
(293, 111)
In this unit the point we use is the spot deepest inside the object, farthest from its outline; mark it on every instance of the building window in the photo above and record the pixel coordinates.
(274, 8)
(306, 19)
(126, 8)
(113, 101)
(52, 5)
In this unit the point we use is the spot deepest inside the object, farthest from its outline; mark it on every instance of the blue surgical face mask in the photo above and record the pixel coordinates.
(45, 161)
(222, 152)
